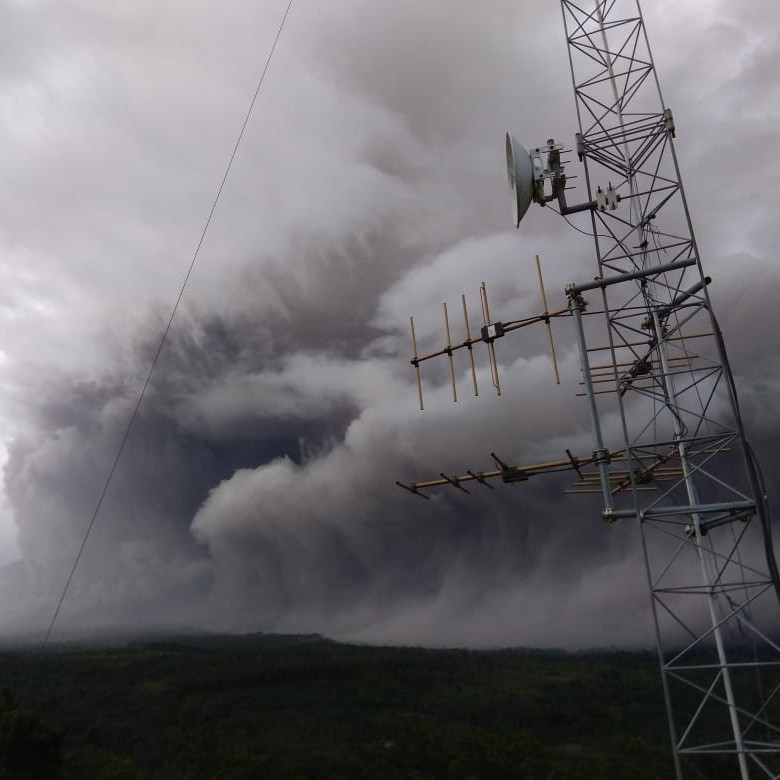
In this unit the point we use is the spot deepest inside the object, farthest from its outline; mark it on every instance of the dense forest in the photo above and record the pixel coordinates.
(306, 707)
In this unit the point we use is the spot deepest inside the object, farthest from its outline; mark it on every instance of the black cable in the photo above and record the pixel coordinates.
(755, 475)
(580, 230)
(164, 337)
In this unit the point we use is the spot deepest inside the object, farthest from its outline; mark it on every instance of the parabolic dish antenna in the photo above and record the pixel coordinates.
(521, 177)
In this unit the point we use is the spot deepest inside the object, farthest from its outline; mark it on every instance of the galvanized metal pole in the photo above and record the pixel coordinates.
(600, 454)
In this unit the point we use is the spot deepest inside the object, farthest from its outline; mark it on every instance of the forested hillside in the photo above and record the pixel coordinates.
(304, 707)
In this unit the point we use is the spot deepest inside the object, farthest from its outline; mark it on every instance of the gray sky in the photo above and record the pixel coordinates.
(257, 489)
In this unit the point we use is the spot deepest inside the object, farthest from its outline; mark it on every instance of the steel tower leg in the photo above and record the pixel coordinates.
(710, 567)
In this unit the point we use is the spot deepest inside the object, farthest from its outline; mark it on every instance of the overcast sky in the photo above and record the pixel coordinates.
(257, 490)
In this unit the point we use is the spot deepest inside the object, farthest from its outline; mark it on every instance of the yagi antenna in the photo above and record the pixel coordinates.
(510, 475)
(489, 332)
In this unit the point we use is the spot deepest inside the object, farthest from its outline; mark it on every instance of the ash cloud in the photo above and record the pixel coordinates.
(257, 488)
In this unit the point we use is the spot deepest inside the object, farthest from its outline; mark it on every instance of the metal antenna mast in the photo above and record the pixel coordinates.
(706, 537)
(670, 450)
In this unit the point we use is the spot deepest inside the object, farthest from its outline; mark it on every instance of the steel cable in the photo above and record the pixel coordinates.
(164, 337)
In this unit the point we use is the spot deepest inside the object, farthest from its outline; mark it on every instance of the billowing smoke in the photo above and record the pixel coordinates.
(256, 491)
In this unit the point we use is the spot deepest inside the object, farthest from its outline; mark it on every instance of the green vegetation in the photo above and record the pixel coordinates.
(28, 748)
(304, 707)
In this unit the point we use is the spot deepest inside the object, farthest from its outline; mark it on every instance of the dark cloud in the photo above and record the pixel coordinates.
(257, 488)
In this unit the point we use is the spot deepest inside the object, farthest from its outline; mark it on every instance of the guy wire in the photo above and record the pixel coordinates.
(164, 336)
